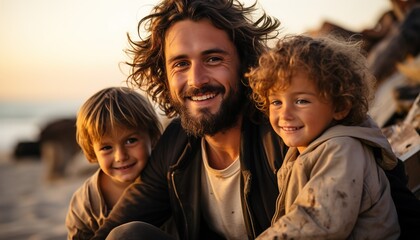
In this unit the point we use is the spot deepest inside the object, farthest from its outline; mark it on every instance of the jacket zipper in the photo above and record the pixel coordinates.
(246, 191)
(180, 203)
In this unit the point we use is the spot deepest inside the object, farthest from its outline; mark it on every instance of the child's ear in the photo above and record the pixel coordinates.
(342, 111)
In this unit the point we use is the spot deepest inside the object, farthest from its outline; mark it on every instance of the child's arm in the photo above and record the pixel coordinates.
(76, 220)
(325, 195)
(144, 201)
(76, 228)
(148, 200)
(87, 210)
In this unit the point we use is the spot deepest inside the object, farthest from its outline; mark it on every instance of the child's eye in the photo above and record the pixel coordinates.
(131, 140)
(275, 102)
(301, 101)
(105, 148)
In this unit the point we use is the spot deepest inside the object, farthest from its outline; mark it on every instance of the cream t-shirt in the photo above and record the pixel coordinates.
(221, 200)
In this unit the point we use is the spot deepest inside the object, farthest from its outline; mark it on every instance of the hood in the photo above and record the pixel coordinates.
(368, 133)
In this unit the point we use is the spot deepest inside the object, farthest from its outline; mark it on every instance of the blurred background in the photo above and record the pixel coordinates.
(54, 54)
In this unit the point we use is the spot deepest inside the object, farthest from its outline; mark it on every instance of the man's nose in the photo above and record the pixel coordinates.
(197, 75)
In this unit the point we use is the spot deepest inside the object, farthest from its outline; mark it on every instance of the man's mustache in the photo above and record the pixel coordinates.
(193, 91)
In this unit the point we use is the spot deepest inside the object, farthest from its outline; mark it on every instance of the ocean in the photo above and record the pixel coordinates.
(32, 207)
(23, 121)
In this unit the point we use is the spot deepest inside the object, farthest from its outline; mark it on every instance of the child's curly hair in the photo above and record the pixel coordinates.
(337, 67)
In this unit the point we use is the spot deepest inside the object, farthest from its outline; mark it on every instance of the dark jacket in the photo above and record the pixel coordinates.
(406, 203)
(171, 186)
(171, 183)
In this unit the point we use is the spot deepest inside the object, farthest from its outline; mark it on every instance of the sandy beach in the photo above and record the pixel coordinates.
(32, 208)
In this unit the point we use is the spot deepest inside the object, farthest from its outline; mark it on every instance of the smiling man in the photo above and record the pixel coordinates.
(213, 170)
(202, 68)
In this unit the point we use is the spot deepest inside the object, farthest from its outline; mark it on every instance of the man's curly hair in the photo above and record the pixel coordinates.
(337, 67)
(148, 71)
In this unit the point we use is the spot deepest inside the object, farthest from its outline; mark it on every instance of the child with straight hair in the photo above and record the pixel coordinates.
(117, 128)
(316, 92)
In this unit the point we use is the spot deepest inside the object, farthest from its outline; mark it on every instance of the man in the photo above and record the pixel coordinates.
(214, 169)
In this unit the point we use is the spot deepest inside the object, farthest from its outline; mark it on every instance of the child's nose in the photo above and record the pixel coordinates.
(121, 155)
(286, 112)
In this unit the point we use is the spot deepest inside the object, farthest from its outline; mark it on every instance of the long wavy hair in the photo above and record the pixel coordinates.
(148, 71)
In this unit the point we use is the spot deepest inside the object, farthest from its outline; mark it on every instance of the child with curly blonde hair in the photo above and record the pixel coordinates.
(316, 93)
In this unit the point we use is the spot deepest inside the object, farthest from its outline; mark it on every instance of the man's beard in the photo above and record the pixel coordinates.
(208, 123)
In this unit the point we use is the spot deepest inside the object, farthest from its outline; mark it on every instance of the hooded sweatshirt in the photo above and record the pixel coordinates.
(336, 188)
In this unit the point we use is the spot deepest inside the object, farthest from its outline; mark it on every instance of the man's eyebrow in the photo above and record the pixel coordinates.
(204, 53)
(177, 57)
(214, 50)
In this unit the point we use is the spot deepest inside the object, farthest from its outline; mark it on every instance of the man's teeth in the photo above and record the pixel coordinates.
(203, 97)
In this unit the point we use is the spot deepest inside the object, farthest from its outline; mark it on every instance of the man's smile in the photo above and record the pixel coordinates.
(203, 97)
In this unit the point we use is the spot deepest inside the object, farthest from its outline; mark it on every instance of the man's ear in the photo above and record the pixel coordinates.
(342, 111)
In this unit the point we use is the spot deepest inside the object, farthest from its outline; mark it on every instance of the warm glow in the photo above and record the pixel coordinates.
(69, 49)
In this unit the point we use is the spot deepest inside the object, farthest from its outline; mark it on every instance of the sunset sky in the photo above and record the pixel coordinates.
(69, 49)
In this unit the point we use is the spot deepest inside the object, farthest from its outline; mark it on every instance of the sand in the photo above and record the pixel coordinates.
(31, 207)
